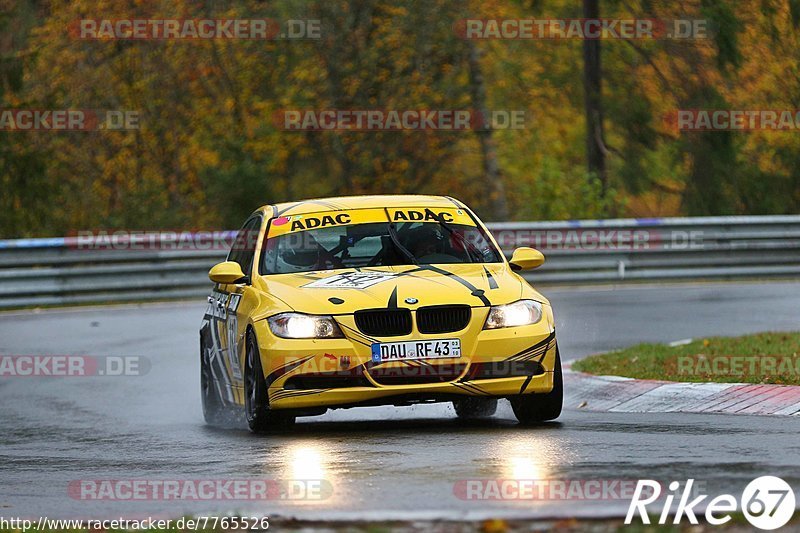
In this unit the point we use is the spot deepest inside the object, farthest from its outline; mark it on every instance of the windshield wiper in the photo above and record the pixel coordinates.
(396, 241)
(472, 250)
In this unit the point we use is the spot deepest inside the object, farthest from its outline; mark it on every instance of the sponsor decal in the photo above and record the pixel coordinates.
(350, 280)
(326, 219)
(312, 222)
(450, 216)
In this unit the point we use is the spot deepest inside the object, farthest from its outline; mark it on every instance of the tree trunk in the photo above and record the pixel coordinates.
(593, 102)
(491, 170)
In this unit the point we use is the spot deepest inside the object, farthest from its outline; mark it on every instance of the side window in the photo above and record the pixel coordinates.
(244, 247)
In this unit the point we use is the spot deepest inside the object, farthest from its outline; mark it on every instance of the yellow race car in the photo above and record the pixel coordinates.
(374, 300)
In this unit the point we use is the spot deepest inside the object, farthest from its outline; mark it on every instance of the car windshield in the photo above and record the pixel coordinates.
(433, 241)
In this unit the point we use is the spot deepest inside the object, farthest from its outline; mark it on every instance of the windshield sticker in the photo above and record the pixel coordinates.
(283, 225)
(326, 219)
(448, 216)
(351, 280)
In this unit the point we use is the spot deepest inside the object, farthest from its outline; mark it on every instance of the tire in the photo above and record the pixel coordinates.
(260, 418)
(536, 408)
(470, 408)
(214, 410)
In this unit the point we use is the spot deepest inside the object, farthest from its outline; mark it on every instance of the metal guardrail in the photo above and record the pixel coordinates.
(36, 272)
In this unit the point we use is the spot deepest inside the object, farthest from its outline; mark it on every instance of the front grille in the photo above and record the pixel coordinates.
(384, 322)
(443, 318)
(415, 375)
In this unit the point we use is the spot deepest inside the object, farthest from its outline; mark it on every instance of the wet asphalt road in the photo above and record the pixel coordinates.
(380, 462)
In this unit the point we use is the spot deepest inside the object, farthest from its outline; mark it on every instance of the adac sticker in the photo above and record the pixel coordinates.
(325, 219)
(421, 214)
(350, 280)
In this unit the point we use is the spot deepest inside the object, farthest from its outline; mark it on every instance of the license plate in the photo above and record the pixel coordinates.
(385, 352)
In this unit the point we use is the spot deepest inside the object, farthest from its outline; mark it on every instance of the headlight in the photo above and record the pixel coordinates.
(300, 326)
(521, 313)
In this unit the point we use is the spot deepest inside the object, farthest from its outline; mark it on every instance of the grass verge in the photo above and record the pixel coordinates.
(761, 358)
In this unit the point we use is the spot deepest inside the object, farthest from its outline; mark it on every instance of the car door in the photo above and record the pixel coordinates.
(239, 300)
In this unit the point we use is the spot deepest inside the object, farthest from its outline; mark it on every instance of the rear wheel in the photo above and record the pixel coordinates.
(536, 408)
(213, 409)
(469, 407)
(256, 401)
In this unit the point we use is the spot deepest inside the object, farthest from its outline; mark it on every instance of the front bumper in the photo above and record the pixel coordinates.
(309, 373)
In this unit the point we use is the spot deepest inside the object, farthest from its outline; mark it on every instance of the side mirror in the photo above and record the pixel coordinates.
(226, 272)
(526, 258)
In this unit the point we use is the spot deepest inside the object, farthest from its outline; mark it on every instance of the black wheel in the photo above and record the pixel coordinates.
(213, 409)
(535, 408)
(471, 407)
(256, 401)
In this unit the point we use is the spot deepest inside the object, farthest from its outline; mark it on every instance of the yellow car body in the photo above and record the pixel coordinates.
(371, 304)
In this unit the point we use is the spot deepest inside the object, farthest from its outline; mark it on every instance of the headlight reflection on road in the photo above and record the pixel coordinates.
(303, 470)
(523, 458)
(306, 462)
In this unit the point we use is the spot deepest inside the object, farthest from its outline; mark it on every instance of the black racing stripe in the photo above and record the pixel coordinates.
(358, 336)
(543, 343)
(358, 333)
(284, 394)
(315, 202)
(410, 273)
(492, 282)
(287, 208)
(525, 385)
(531, 354)
(274, 211)
(308, 276)
(288, 367)
(455, 202)
(392, 303)
(470, 388)
(476, 292)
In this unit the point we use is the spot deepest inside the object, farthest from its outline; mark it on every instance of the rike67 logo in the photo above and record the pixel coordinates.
(767, 502)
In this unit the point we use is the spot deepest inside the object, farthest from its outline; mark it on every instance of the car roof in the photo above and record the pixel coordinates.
(342, 203)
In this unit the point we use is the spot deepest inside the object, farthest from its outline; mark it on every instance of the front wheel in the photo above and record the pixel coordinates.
(536, 408)
(260, 418)
(213, 409)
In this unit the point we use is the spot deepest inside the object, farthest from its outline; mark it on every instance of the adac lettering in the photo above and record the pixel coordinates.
(414, 216)
(314, 222)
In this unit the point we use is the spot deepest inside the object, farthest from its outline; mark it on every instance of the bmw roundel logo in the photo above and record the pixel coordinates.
(411, 300)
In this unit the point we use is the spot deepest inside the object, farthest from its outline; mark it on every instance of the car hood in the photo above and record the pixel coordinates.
(344, 291)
